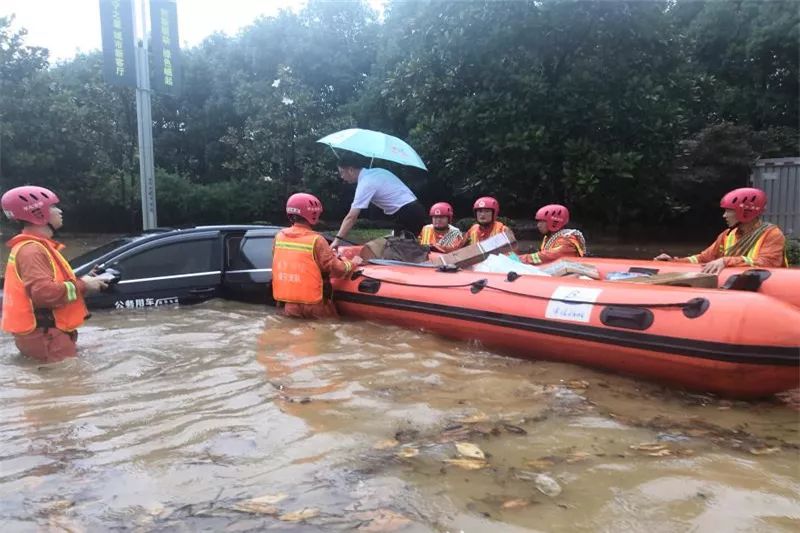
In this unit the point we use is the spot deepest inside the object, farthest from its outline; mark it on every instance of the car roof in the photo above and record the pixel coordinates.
(263, 232)
(160, 233)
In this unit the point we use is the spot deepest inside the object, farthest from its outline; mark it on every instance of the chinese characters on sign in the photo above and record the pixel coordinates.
(116, 25)
(140, 303)
(165, 46)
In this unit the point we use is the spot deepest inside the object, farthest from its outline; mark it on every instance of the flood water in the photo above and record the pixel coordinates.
(176, 419)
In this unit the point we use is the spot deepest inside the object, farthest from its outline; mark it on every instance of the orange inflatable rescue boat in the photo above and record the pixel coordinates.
(734, 343)
(780, 283)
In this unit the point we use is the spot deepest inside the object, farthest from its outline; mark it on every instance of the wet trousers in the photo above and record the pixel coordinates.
(48, 345)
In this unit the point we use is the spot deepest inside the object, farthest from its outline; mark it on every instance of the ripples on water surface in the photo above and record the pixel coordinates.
(172, 419)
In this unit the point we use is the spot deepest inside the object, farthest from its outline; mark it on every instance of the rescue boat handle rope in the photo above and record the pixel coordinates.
(478, 285)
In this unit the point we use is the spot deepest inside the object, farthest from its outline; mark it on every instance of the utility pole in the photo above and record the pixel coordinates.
(144, 117)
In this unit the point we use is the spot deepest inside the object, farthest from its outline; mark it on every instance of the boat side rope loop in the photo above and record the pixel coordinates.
(477, 285)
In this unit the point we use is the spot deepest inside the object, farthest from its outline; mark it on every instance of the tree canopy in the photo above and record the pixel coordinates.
(632, 113)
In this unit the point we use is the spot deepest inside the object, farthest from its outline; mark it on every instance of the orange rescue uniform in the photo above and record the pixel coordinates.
(767, 251)
(478, 233)
(563, 243)
(301, 261)
(43, 302)
(445, 240)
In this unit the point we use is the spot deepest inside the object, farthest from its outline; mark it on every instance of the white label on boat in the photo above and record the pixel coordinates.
(577, 312)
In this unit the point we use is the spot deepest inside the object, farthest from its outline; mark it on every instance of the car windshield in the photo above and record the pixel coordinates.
(93, 255)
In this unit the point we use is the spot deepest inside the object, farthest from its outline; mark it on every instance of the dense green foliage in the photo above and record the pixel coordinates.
(636, 114)
(793, 251)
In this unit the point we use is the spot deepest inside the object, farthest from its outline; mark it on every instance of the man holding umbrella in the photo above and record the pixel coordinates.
(376, 186)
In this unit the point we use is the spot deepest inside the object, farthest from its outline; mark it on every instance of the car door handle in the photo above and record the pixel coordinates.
(202, 291)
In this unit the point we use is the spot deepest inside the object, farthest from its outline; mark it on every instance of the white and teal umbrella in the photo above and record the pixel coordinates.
(375, 145)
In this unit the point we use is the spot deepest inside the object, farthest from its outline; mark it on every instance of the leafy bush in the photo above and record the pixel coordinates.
(793, 251)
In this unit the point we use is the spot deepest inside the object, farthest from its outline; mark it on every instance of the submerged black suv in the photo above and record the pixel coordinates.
(186, 266)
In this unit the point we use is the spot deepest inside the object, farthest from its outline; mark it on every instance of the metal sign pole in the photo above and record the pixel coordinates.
(145, 123)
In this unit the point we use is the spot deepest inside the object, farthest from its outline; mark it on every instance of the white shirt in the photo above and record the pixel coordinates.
(382, 188)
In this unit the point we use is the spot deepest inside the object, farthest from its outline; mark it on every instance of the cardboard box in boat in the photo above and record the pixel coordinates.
(475, 253)
(680, 279)
(373, 249)
(563, 268)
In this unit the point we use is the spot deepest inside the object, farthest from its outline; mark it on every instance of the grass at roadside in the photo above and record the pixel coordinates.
(364, 235)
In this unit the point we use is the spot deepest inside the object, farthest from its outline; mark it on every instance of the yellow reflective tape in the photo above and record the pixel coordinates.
(693, 259)
(72, 293)
(294, 246)
(730, 240)
(535, 258)
(747, 260)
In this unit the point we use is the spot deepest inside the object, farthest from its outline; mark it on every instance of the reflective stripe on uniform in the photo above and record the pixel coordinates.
(299, 247)
(72, 292)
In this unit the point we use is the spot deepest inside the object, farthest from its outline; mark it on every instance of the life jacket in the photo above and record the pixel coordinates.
(430, 236)
(296, 276)
(19, 315)
(729, 247)
(475, 235)
(574, 236)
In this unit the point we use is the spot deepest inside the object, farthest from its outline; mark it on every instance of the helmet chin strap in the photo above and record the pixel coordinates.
(53, 230)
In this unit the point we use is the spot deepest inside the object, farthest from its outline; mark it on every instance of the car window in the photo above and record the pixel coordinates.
(93, 255)
(186, 257)
(254, 252)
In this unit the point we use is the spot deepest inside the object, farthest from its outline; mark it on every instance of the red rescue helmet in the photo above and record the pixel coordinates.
(29, 203)
(304, 205)
(441, 209)
(556, 216)
(487, 202)
(747, 202)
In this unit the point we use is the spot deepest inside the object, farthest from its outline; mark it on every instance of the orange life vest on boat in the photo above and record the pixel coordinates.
(296, 277)
(573, 237)
(752, 254)
(445, 240)
(18, 311)
(429, 236)
(475, 235)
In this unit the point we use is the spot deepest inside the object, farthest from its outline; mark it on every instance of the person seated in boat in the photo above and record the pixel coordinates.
(440, 235)
(558, 242)
(302, 262)
(486, 210)
(748, 241)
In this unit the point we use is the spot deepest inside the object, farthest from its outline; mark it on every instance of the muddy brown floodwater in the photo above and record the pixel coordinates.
(228, 417)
